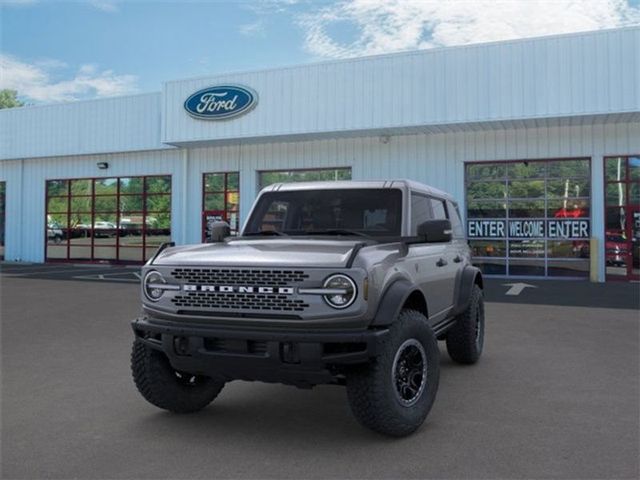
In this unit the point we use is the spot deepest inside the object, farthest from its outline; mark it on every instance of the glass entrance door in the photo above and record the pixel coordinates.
(220, 201)
(209, 217)
(622, 217)
(634, 266)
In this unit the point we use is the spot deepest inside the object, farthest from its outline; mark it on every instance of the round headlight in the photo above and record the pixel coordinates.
(345, 291)
(150, 285)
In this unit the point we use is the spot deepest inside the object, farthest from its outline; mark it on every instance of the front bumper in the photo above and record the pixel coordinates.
(282, 356)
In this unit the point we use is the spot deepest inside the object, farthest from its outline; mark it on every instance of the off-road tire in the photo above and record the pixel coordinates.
(371, 389)
(465, 339)
(165, 388)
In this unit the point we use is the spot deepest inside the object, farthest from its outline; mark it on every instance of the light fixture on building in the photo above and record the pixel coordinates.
(102, 165)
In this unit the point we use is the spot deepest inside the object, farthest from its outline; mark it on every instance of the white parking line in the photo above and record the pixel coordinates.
(109, 277)
(47, 271)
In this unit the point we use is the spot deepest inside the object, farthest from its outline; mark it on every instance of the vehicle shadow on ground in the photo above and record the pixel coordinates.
(258, 409)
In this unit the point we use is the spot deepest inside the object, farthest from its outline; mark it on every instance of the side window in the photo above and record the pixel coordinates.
(420, 211)
(439, 210)
(456, 222)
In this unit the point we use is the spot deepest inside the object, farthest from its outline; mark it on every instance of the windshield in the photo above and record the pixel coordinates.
(371, 212)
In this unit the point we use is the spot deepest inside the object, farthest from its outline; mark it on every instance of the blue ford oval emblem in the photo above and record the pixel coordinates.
(221, 102)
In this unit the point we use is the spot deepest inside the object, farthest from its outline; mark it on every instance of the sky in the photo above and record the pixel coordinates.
(54, 51)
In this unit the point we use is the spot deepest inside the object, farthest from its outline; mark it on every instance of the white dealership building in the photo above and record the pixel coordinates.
(538, 140)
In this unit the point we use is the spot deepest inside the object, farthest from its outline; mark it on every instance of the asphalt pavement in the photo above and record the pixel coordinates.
(556, 395)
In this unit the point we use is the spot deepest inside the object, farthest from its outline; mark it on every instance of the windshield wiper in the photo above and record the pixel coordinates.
(265, 233)
(337, 231)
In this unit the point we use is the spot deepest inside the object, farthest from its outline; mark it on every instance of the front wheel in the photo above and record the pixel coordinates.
(394, 394)
(161, 385)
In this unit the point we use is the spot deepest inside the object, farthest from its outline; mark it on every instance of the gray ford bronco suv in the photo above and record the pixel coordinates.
(347, 283)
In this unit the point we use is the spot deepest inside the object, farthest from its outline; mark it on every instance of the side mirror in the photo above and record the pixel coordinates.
(433, 231)
(218, 231)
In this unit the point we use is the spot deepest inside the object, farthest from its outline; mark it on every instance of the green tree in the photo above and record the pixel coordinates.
(9, 99)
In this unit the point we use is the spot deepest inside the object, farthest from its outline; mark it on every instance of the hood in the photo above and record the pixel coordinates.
(262, 253)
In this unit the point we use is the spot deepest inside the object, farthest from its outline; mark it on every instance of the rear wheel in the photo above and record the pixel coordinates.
(394, 394)
(465, 340)
(161, 385)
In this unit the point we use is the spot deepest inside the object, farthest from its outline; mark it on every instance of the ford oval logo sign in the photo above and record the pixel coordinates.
(221, 102)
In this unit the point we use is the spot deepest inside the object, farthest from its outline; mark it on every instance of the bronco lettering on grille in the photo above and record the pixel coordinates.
(237, 289)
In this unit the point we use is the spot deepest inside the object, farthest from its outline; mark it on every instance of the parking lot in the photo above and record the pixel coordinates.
(556, 394)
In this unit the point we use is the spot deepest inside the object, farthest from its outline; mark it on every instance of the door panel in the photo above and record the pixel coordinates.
(615, 246)
(622, 218)
(634, 244)
(435, 272)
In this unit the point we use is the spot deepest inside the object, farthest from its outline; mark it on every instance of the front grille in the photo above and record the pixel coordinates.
(228, 345)
(212, 276)
(239, 301)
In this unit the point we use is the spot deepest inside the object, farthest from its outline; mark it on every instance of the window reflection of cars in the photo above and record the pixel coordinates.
(615, 249)
(80, 230)
(580, 248)
(54, 232)
(134, 226)
(129, 227)
(104, 229)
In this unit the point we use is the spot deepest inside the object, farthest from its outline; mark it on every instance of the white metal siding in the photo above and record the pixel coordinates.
(26, 192)
(109, 125)
(436, 159)
(561, 76)
(591, 77)
(11, 174)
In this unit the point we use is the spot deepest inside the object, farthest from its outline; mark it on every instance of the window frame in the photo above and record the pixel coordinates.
(627, 182)
(451, 205)
(226, 211)
(413, 229)
(507, 200)
(93, 215)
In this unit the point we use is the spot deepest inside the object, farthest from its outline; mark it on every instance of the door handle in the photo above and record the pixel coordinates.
(457, 259)
(441, 263)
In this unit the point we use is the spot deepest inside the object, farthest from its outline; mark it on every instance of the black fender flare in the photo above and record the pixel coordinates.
(392, 301)
(468, 278)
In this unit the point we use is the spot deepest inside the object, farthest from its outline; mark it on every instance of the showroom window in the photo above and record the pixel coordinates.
(530, 218)
(220, 200)
(3, 188)
(120, 219)
(266, 178)
(622, 217)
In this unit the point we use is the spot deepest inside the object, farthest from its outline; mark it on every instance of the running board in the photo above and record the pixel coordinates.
(444, 325)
